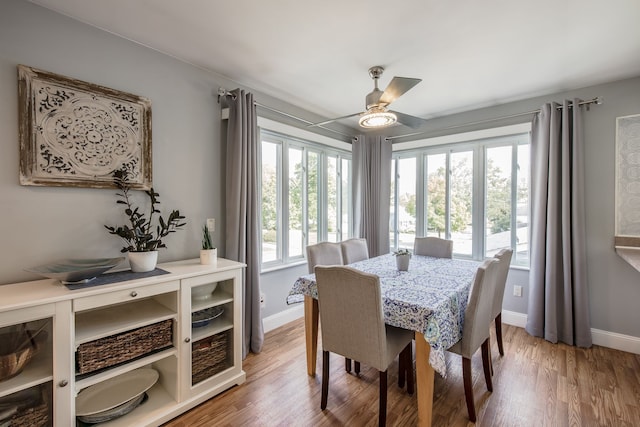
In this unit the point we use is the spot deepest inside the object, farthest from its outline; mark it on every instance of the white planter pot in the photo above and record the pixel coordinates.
(402, 262)
(208, 256)
(142, 262)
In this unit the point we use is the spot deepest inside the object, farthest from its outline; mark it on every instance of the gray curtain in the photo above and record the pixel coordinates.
(371, 191)
(242, 210)
(558, 295)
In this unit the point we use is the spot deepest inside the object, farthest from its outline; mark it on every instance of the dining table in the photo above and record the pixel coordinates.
(429, 298)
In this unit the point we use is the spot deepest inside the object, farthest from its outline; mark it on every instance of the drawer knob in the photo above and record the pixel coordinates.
(187, 339)
(134, 294)
(63, 383)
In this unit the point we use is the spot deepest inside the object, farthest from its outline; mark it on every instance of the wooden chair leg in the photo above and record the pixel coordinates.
(347, 364)
(357, 367)
(490, 364)
(486, 363)
(409, 369)
(468, 388)
(325, 379)
(402, 369)
(382, 417)
(498, 322)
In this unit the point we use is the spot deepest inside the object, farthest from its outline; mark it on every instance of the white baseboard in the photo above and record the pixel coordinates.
(514, 318)
(274, 321)
(614, 340)
(608, 339)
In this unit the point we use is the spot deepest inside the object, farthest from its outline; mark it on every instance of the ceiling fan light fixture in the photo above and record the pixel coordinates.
(377, 117)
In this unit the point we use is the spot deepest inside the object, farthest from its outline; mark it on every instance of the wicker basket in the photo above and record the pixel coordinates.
(210, 356)
(110, 351)
(37, 415)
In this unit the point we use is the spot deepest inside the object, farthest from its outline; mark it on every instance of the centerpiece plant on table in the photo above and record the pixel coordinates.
(142, 238)
(402, 259)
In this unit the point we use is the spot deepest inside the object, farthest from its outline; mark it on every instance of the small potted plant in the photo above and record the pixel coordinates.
(208, 253)
(142, 238)
(402, 259)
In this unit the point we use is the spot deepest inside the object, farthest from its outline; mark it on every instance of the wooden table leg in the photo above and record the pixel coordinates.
(311, 333)
(424, 380)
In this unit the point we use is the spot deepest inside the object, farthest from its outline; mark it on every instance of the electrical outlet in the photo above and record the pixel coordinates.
(263, 303)
(517, 291)
(211, 224)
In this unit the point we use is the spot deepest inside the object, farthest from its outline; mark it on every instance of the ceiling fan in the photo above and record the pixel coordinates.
(377, 115)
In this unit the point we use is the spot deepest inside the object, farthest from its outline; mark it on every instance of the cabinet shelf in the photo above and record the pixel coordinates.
(38, 371)
(94, 324)
(118, 370)
(216, 326)
(218, 298)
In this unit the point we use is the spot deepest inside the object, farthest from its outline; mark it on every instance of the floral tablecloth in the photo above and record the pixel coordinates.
(430, 297)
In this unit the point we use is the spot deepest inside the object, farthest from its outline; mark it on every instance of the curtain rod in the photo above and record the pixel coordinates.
(597, 101)
(223, 92)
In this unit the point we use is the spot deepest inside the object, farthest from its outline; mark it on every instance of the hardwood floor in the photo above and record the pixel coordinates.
(536, 383)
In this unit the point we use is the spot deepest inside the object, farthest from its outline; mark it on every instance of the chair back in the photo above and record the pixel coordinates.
(324, 253)
(354, 250)
(504, 261)
(351, 315)
(478, 315)
(433, 246)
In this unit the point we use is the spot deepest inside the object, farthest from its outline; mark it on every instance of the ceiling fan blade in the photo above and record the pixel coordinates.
(397, 87)
(412, 121)
(333, 120)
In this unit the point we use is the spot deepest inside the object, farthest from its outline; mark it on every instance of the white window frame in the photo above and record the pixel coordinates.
(288, 137)
(477, 142)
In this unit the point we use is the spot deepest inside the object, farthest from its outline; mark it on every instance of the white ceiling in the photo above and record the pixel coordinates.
(316, 55)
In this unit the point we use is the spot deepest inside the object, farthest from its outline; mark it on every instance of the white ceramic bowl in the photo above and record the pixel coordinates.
(203, 292)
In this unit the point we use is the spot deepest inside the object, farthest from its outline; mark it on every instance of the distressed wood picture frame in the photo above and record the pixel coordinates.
(76, 134)
(627, 192)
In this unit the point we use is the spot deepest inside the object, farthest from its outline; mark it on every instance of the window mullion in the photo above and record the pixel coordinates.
(514, 196)
(284, 201)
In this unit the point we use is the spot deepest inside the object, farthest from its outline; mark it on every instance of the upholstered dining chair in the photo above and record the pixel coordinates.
(354, 250)
(433, 246)
(475, 331)
(324, 253)
(328, 253)
(367, 338)
(504, 261)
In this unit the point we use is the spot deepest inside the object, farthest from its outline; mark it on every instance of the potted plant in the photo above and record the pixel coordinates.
(142, 238)
(208, 253)
(402, 259)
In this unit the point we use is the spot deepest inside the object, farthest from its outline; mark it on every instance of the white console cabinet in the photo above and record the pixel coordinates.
(202, 359)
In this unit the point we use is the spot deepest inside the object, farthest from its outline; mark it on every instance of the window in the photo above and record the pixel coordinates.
(305, 197)
(475, 193)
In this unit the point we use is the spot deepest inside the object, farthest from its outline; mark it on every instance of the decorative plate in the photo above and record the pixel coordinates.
(113, 413)
(75, 271)
(115, 391)
(203, 317)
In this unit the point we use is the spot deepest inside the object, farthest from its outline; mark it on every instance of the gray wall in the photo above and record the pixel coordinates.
(41, 224)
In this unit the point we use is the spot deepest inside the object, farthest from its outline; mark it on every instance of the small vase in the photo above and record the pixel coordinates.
(402, 262)
(142, 262)
(208, 256)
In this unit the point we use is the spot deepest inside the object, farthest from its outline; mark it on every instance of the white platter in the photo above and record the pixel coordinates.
(73, 271)
(115, 391)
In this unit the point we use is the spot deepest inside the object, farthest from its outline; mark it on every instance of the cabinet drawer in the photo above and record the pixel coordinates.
(131, 294)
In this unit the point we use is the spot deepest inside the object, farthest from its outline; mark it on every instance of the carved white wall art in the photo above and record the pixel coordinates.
(74, 133)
